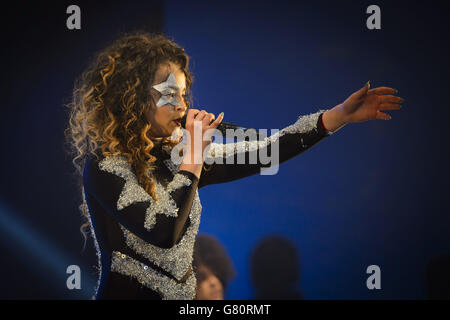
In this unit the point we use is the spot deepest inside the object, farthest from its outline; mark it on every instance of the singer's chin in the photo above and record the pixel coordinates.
(176, 134)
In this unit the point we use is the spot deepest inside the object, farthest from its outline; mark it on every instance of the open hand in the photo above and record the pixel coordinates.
(367, 104)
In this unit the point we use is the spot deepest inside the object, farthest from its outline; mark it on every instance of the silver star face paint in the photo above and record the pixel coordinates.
(169, 90)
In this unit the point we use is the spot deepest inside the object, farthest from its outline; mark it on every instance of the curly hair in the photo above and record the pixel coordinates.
(109, 102)
(209, 252)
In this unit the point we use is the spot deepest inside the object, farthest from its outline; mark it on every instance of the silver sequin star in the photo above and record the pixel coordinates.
(168, 90)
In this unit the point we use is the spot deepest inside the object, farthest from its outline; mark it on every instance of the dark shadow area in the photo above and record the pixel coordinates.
(274, 268)
(438, 278)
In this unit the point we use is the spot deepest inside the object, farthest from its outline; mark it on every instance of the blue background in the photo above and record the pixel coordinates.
(372, 193)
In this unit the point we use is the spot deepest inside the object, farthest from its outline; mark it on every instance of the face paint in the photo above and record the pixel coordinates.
(169, 91)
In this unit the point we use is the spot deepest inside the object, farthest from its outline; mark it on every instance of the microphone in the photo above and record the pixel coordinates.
(222, 127)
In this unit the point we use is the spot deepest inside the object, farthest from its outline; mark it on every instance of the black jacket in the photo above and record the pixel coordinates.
(145, 247)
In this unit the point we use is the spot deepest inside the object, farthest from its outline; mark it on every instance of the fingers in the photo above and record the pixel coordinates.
(216, 123)
(389, 106)
(363, 91)
(208, 119)
(383, 90)
(200, 115)
(192, 113)
(383, 116)
(388, 101)
(204, 117)
(391, 99)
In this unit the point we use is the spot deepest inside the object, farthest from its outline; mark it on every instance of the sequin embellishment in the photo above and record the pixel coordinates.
(178, 259)
(172, 166)
(168, 288)
(304, 124)
(132, 192)
(97, 248)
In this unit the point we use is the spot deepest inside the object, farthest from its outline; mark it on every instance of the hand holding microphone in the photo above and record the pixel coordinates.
(194, 120)
(207, 121)
(222, 127)
(193, 160)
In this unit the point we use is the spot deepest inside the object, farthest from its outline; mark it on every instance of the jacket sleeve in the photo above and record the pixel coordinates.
(232, 161)
(112, 183)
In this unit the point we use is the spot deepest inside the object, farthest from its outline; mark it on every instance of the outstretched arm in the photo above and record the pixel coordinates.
(362, 105)
(232, 161)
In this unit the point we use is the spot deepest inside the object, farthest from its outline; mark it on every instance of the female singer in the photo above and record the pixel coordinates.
(143, 210)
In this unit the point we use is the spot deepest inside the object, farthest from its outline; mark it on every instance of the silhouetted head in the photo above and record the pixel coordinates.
(274, 268)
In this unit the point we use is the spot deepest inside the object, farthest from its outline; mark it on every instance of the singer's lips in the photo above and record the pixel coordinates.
(177, 121)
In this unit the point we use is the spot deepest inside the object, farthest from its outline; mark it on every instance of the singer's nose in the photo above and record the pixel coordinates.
(181, 107)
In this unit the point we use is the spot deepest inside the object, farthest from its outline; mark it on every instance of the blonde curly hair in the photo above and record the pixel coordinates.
(109, 102)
